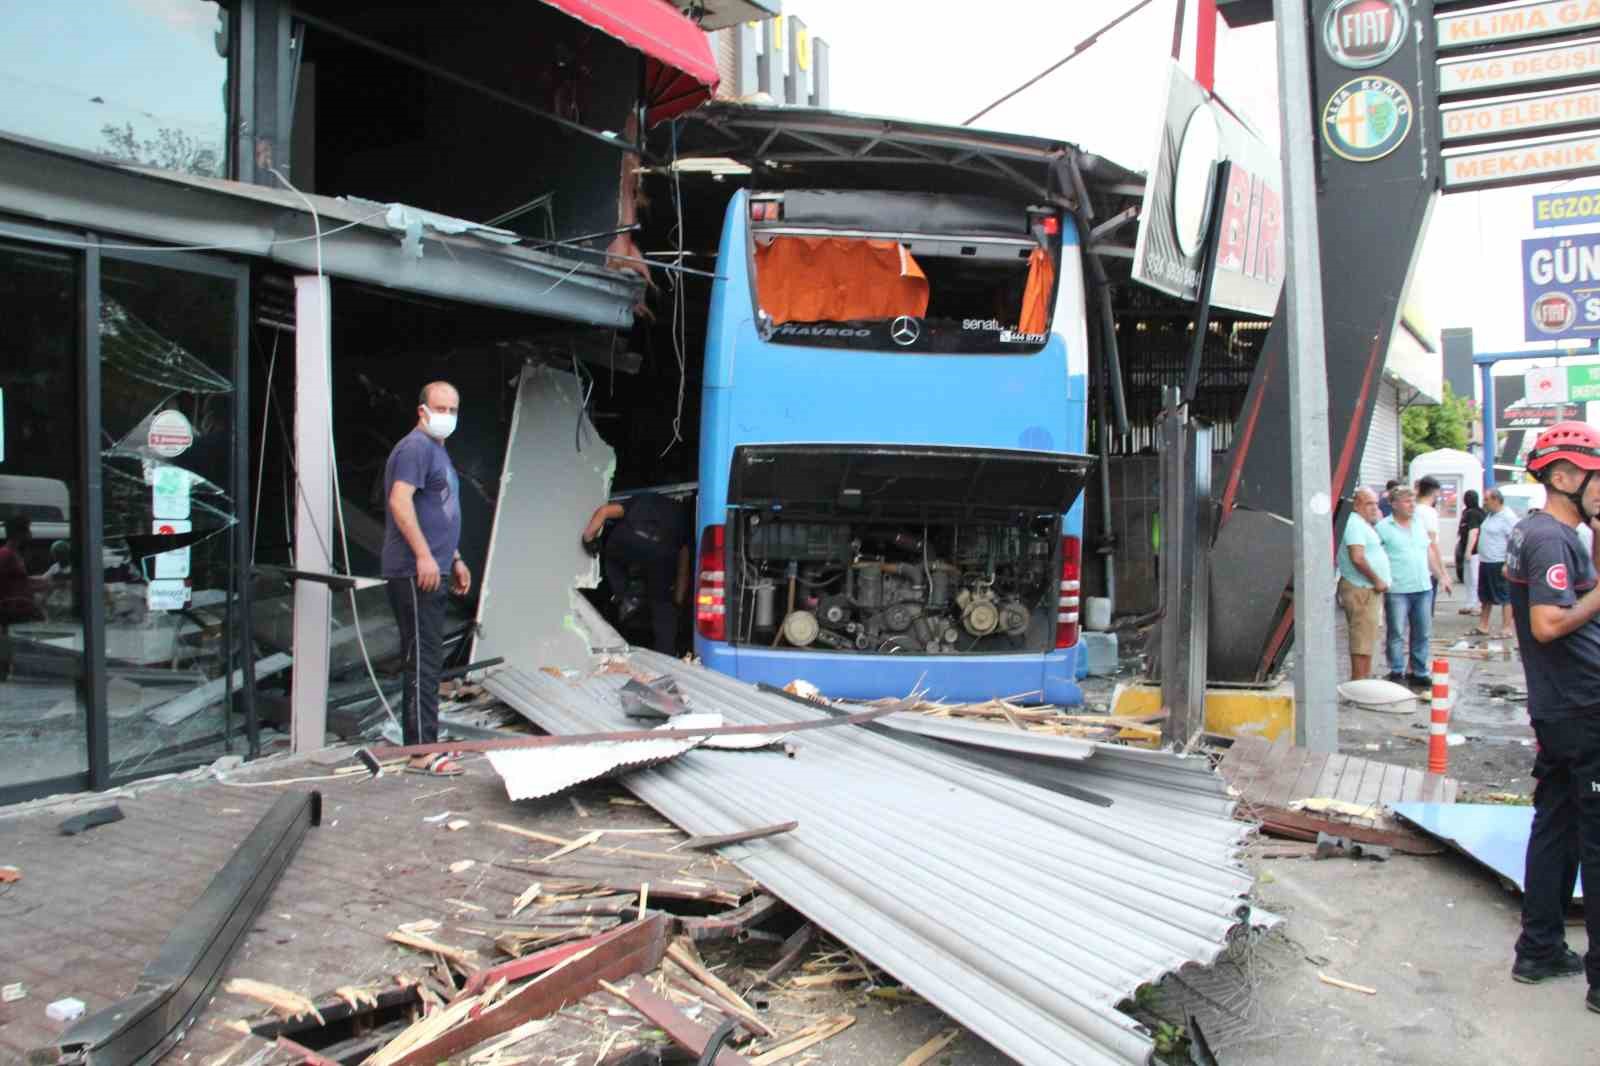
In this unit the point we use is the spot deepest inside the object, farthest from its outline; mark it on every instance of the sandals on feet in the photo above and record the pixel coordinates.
(440, 765)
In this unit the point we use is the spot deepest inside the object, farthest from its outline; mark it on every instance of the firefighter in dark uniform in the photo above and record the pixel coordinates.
(1555, 601)
(651, 535)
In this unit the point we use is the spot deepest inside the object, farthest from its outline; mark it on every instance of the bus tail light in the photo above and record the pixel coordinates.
(710, 601)
(1071, 578)
(765, 211)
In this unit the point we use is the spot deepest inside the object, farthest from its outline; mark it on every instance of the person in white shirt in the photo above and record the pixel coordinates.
(1428, 519)
(1492, 588)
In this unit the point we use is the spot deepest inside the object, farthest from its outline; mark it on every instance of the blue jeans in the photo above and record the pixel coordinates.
(1413, 613)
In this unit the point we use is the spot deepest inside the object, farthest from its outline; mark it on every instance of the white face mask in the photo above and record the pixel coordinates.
(439, 426)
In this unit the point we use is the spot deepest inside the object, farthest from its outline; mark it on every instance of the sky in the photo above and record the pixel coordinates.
(941, 63)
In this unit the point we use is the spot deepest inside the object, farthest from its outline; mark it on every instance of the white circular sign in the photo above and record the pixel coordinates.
(1191, 179)
(1319, 503)
(170, 434)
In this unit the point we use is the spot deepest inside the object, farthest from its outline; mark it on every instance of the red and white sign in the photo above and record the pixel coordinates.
(1364, 33)
(174, 563)
(170, 434)
(1547, 384)
(1556, 577)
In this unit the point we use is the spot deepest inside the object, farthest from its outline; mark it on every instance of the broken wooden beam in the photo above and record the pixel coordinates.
(793, 949)
(685, 1032)
(681, 951)
(706, 843)
(636, 948)
(731, 923)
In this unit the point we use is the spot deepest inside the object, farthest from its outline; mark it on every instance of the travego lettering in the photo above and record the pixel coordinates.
(821, 331)
(1518, 22)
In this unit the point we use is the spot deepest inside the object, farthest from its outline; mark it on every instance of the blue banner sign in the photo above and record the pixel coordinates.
(1561, 287)
(1566, 208)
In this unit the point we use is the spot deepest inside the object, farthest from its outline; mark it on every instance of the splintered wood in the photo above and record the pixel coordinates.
(1136, 730)
(287, 1003)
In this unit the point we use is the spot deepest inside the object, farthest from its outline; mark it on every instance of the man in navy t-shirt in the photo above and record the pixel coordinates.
(651, 535)
(421, 530)
(1556, 605)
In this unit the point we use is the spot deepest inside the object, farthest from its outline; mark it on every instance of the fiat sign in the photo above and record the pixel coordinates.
(1363, 33)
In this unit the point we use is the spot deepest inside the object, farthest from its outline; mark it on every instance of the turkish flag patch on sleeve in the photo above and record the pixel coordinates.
(1556, 577)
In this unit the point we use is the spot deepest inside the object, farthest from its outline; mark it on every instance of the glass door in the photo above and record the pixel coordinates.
(44, 691)
(170, 337)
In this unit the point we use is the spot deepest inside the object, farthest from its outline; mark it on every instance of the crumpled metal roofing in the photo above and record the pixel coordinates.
(531, 773)
(1024, 914)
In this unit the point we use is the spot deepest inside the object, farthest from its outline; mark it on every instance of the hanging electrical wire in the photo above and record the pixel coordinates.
(680, 305)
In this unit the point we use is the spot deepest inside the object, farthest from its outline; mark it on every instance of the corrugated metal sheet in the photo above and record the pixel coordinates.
(530, 773)
(1381, 459)
(1023, 914)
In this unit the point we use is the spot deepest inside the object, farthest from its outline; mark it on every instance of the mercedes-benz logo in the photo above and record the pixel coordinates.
(905, 330)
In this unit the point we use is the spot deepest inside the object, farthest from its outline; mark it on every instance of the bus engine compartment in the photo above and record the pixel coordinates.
(894, 587)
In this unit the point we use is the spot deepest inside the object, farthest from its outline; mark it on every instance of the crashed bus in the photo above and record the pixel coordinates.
(893, 421)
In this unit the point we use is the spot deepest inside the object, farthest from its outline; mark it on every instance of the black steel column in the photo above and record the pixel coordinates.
(91, 521)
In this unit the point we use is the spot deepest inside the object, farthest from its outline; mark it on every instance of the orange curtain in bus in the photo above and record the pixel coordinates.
(1036, 295)
(838, 279)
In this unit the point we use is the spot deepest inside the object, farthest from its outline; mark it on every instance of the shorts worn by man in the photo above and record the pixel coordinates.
(1363, 579)
(1555, 602)
(421, 533)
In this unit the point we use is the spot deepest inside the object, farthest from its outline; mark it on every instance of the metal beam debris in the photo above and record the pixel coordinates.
(142, 1028)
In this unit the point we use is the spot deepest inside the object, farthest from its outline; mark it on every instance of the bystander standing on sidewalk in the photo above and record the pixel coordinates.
(1428, 518)
(1363, 580)
(1408, 603)
(1493, 536)
(1472, 517)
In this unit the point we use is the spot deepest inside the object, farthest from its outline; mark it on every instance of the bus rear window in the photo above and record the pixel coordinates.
(932, 294)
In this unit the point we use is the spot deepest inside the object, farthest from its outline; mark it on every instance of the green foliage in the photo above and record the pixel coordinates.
(1447, 424)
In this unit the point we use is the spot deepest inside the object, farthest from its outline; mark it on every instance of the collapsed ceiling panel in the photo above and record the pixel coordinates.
(557, 471)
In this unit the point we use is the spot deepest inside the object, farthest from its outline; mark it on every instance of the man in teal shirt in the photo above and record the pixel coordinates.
(1408, 605)
(1363, 580)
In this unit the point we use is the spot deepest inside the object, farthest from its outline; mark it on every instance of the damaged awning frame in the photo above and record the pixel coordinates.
(769, 140)
(388, 246)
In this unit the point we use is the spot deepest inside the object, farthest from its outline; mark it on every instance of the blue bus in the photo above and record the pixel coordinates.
(893, 421)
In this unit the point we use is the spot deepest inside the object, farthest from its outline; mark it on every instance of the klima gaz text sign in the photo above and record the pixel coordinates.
(1561, 287)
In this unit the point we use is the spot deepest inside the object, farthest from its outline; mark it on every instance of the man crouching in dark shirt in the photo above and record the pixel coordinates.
(1555, 602)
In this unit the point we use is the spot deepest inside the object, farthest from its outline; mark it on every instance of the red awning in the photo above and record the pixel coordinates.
(680, 71)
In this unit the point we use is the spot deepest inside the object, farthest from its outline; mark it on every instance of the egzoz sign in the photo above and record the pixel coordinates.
(1561, 287)
(1168, 254)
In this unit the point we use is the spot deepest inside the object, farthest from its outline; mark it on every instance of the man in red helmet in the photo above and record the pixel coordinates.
(1555, 602)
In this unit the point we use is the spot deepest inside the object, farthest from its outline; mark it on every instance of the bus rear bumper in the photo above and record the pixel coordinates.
(1035, 678)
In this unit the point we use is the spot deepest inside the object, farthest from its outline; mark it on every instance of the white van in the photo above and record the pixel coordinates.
(45, 500)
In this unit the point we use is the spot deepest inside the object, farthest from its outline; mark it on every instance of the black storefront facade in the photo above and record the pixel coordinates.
(154, 376)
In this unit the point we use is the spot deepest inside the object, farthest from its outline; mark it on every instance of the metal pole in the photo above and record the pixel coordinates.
(1220, 174)
(313, 522)
(1316, 723)
(1486, 388)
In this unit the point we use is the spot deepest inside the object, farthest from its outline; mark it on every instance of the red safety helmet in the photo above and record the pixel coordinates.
(1576, 442)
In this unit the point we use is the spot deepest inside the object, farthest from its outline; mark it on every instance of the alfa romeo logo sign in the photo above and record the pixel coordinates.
(1363, 33)
(1367, 118)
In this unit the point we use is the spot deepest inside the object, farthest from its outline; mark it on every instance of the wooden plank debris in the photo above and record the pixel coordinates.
(682, 952)
(686, 1033)
(287, 1003)
(706, 843)
(639, 947)
(927, 1051)
(1365, 990)
(794, 949)
(810, 1036)
(466, 958)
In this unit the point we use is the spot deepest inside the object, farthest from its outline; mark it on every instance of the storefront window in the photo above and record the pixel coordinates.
(140, 81)
(43, 702)
(168, 339)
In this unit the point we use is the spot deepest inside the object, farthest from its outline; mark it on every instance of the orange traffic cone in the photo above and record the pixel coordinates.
(1438, 731)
